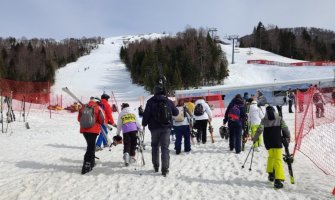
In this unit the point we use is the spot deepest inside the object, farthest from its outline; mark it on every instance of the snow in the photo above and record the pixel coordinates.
(44, 162)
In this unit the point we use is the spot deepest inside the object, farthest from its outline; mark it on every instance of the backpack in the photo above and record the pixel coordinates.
(181, 116)
(162, 113)
(87, 118)
(234, 113)
(199, 110)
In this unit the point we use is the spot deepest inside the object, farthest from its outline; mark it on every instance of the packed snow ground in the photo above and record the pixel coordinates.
(44, 162)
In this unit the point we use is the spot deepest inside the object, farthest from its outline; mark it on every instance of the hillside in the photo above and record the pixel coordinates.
(44, 162)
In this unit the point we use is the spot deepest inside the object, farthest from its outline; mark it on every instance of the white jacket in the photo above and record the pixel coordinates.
(207, 114)
(255, 114)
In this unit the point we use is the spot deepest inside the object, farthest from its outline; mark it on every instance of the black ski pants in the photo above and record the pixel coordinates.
(201, 126)
(130, 142)
(90, 150)
(290, 103)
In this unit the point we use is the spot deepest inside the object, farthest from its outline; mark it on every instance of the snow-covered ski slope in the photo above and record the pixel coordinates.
(44, 162)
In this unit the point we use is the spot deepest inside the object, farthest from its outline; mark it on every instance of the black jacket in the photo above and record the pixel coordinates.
(148, 118)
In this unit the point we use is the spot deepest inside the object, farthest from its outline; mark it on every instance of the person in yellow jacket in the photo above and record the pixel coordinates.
(274, 131)
(190, 105)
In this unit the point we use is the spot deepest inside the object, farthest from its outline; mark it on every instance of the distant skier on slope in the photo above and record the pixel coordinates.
(91, 118)
(274, 131)
(129, 123)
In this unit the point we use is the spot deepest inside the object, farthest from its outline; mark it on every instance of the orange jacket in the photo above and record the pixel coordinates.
(108, 112)
(99, 116)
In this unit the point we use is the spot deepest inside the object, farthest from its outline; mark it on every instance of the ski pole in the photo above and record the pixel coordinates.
(252, 156)
(252, 147)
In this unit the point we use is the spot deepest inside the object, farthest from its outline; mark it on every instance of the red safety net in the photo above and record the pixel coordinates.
(315, 127)
(32, 92)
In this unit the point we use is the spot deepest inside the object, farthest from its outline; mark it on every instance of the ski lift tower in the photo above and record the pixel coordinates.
(233, 38)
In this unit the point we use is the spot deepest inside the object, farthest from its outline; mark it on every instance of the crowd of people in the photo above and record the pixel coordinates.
(188, 119)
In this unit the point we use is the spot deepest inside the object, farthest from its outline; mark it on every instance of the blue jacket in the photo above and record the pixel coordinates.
(243, 115)
(148, 118)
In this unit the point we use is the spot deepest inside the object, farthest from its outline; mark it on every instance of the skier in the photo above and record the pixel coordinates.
(202, 115)
(319, 103)
(140, 111)
(246, 96)
(108, 120)
(290, 96)
(190, 105)
(91, 134)
(156, 108)
(275, 131)
(181, 126)
(235, 116)
(254, 119)
(261, 99)
(129, 123)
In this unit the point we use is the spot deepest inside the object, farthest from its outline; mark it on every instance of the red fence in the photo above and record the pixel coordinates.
(32, 92)
(296, 64)
(315, 127)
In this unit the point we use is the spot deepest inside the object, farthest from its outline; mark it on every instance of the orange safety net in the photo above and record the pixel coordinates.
(32, 92)
(315, 127)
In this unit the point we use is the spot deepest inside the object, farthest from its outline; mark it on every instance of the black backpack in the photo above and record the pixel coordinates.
(162, 113)
(199, 110)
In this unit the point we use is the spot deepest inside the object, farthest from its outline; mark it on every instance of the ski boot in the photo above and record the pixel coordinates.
(156, 167)
(86, 168)
(126, 159)
(165, 172)
(278, 184)
(271, 177)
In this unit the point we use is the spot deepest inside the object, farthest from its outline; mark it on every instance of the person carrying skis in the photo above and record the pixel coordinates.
(129, 123)
(90, 131)
(235, 116)
(157, 116)
(274, 131)
(181, 126)
(108, 120)
(202, 115)
(254, 119)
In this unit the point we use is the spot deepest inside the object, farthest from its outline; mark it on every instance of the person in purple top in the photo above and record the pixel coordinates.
(129, 123)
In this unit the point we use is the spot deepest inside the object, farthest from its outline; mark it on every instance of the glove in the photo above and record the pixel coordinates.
(114, 125)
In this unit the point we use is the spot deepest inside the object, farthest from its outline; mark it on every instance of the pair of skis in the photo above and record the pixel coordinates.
(288, 158)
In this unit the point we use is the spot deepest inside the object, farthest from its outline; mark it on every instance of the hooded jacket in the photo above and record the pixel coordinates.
(99, 116)
(127, 121)
(240, 103)
(255, 114)
(107, 111)
(150, 108)
(273, 131)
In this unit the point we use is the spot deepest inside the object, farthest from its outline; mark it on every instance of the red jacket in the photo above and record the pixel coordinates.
(99, 116)
(108, 112)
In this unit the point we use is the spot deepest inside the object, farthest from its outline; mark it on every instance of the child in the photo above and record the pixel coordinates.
(274, 132)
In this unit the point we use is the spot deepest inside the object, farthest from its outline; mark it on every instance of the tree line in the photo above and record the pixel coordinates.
(36, 60)
(312, 44)
(189, 59)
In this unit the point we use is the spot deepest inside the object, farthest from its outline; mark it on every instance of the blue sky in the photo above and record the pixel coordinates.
(61, 19)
